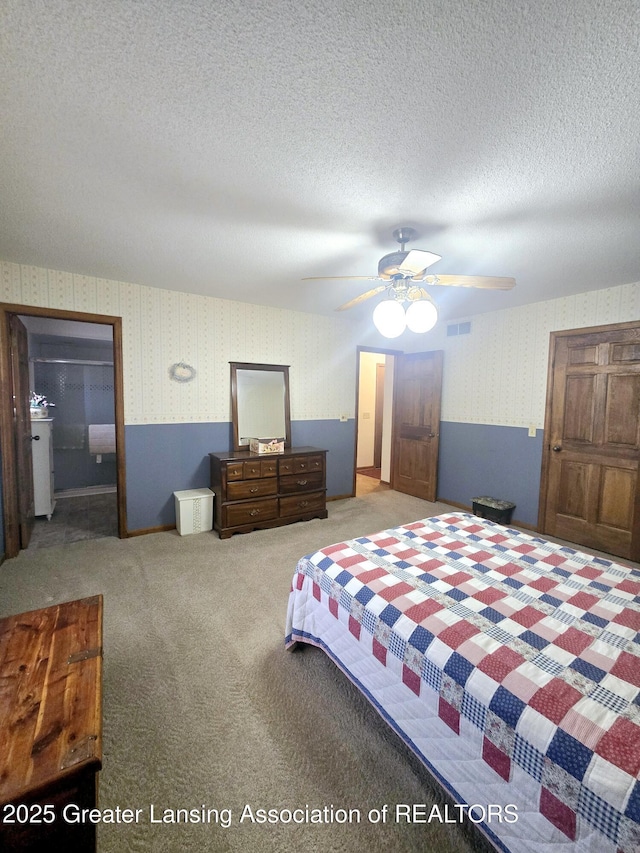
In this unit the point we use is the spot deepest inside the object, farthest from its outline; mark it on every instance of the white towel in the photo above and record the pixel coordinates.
(102, 439)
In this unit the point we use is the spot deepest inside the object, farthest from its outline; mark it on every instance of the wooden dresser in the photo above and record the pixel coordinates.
(254, 492)
(50, 725)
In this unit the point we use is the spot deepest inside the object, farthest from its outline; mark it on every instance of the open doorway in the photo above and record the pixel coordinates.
(17, 434)
(374, 420)
(74, 463)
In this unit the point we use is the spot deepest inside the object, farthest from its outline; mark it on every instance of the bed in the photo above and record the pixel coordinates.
(509, 664)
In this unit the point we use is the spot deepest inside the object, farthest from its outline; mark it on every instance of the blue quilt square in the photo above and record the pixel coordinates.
(562, 572)
(325, 563)
(364, 595)
(534, 640)
(454, 555)
(390, 615)
(601, 586)
(507, 706)
(480, 568)
(492, 615)
(633, 806)
(595, 620)
(343, 578)
(550, 599)
(527, 559)
(402, 564)
(457, 594)
(421, 639)
(513, 582)
(588, 670)
(427, 578)
(458, 668)
(570, 754)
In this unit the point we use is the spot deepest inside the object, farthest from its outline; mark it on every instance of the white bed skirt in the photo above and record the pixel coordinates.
(455, 760)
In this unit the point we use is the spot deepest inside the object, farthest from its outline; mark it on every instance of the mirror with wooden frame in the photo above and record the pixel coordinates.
(259, 403)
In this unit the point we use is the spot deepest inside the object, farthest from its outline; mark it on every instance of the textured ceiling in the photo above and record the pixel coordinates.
(232, 148)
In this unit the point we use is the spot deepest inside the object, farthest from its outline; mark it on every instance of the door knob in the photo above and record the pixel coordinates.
(556, 448)
(34, 437)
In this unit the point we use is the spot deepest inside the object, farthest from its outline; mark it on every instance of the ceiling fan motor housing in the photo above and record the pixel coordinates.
(390, 264)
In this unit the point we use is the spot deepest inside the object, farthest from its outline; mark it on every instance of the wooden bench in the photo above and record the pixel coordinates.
(50, 724)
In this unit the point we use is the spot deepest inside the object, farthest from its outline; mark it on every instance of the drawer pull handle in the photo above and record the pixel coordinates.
(254, 489)
(254, 512)
(302, 504)
(302, 482)
(302, 465)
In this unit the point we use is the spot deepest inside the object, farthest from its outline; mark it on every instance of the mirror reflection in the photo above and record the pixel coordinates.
(259, 402)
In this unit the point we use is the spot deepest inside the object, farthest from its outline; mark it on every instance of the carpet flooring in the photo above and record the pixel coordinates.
(203, 707)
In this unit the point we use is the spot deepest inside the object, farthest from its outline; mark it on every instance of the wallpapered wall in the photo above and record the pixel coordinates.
(161, 327)
(493, 388)
(497, 374)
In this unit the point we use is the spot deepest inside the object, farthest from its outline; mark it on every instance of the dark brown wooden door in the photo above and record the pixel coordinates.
(416, 423)
(22, 421)
(592, 440)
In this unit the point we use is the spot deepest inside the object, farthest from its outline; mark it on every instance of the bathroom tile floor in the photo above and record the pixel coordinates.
(90, 516)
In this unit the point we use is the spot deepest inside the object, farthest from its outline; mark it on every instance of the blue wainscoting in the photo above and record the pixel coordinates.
(164, 458)
(500, 461)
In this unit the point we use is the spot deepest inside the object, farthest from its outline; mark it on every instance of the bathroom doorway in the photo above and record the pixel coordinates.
(71, 365)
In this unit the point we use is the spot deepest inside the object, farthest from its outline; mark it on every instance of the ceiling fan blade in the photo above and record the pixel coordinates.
(362, 297)
(486, 282)
(342, 278)
(417, 260)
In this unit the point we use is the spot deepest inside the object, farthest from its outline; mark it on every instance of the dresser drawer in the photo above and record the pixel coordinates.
(269, 468)
(301, 464)
(244, 489)
(234, 471)
(250, 512)
(302, 503)
(301, 483)
(252, 470)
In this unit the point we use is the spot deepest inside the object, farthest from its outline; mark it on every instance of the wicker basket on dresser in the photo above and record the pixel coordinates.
(258, 491)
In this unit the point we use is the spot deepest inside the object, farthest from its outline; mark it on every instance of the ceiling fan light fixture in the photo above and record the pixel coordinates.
(421, 316)
(389, 318)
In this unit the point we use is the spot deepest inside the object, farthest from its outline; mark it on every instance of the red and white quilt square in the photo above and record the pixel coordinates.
(587, 721)
(627, 667)
(554, 699)
(620, 746)
(573, 641)
(500, 663)
(600, 654)
(526, 680)
(456, 634)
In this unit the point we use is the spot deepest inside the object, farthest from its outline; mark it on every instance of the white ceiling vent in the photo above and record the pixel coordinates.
(454, 329)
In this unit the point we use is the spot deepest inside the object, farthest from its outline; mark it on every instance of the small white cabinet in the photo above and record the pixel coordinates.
(42, 452)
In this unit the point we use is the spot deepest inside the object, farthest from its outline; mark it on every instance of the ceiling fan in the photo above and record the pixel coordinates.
(401, 274)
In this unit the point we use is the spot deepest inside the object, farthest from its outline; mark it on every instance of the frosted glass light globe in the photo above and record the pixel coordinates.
(389, 318)
(421, 316)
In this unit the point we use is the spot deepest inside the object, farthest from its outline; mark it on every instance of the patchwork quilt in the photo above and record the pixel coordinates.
(535, 644)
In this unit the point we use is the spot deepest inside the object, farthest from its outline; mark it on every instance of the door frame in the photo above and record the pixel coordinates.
(546, 448)
(359, 350)
(7, 424)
